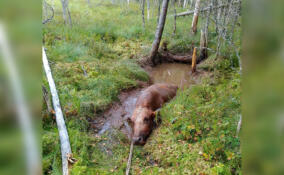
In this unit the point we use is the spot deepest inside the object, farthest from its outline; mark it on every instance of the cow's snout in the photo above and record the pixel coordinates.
(138, 140)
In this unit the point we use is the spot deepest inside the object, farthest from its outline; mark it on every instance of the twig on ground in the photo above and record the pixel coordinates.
(85, 72)
(129, 159)
(47, 100)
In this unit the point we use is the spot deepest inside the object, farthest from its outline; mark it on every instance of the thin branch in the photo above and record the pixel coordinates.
(129, 159)
(49, 19)
(205, 9)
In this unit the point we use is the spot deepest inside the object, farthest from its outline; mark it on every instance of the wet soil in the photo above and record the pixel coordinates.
(116, 116)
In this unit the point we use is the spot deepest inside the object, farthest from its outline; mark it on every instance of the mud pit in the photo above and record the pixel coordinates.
(115, 117)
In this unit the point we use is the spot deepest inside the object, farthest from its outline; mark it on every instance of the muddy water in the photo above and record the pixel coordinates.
(115, 117)
(172, 73)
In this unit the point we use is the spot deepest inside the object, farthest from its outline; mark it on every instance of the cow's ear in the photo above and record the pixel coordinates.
(130, 122)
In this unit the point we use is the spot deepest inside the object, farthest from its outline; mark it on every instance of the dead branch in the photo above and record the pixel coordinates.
(85, 72)
(129, 158)
(205, 9)
(66, 153)
(47, 100)
(52, 14)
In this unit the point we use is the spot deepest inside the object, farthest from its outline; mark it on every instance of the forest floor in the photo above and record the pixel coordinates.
(94, 65)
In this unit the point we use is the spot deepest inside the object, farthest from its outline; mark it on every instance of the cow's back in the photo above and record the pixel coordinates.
(156, 95)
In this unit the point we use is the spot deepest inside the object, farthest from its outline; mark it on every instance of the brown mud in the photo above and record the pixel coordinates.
(115, 117)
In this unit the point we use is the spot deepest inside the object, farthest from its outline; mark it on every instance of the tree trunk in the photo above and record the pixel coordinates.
(184, 3)
(159, 11)
(63, 134)
(66, 12)
(24, 118)
(195, 17)
(193, 64)
(159, 30)
(191, 3)
(142, 11)
(175, 17)
(148, 9)
(203, 45)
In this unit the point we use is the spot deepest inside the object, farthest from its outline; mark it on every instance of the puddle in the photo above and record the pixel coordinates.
(172, 73)
(115, 117)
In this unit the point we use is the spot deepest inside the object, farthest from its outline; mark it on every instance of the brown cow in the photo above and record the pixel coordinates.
(151, 99)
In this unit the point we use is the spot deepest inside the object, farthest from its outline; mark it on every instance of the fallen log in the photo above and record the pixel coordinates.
(169, 57)
(66, 153)
(205, 9)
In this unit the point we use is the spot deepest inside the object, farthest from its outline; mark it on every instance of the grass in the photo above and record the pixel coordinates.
(197, 134)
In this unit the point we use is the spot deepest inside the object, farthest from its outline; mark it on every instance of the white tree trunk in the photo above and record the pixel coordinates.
(184, 3)
(63, 134)
(32, 154)
(159, 30)
(205, 9)
(195, 17)
(148, 9)
(143, 12)
(159, 11)
(66, 12)
(175, 18)
(203, 44)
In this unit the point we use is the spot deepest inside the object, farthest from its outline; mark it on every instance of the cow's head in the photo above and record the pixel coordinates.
(142, 122)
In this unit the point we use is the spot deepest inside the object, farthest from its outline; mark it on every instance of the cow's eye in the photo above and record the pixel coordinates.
(146, 120)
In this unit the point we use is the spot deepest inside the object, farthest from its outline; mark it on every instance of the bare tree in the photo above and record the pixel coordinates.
(175, 17)
(159, 11)
(195, 17)
(142, 11)
(66, 12)
(184, 3)
(46, 8)
(148, 9)
(159, 31)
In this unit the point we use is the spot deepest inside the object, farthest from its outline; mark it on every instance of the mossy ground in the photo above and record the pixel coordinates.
(197, 134)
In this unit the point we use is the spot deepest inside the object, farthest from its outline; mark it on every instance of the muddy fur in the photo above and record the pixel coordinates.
(151, 99)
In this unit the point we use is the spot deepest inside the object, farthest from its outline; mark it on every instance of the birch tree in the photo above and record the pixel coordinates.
(142, 11)
(195, 17)
(159, 30)
(175, 17)
(66, 153)
(148, 9)
(66, 12)
(184, 3)
(159, 10)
